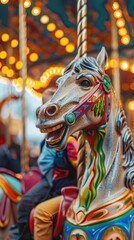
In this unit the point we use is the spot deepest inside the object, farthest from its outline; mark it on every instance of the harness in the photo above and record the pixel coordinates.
(101, 89)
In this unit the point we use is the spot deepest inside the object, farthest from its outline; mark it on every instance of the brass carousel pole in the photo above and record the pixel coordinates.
(115, 55)
(23, 58)
(82, 52)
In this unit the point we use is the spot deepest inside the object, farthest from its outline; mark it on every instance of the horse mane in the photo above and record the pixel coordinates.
(85, 63)
(128, 149)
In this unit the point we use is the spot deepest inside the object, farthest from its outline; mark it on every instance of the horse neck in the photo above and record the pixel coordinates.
(104, 169)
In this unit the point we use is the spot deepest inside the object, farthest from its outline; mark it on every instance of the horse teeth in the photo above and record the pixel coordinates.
(54, 128)
(44, 130)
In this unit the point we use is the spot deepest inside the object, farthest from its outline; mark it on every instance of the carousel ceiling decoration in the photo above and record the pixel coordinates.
(52, 37)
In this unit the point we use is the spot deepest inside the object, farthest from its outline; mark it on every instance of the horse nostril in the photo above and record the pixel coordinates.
(51, 110)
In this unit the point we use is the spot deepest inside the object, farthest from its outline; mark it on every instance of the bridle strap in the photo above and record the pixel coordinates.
(88, 102)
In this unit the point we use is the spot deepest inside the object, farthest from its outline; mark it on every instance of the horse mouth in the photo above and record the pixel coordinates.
(54, 134)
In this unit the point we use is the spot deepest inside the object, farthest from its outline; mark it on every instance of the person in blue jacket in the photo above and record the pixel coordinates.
(57, 172)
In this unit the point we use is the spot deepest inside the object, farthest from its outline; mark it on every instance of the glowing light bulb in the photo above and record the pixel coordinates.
(27, 3)
(59, 33)
(4, 1)
(12, 60)
(19, 65)
(113, 63)
(122, 31)
(27, 50)
(4, 69)
(131, 105)
(125, 39)
(10, 73)
(64, 41)
(70, 47)
(115, 5)
(33, 57)
(44, 19)
(120, 22)
(51, 27)
(118, 14)
(36, 11)
(124, 65)
(3, 54)
(5, 37)
(132, 68)
(14, 43)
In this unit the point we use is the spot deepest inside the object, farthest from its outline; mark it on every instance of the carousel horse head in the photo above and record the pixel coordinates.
(85, 100)
(79, 101)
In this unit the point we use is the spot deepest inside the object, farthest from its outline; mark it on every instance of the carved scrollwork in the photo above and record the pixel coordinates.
(114, 233)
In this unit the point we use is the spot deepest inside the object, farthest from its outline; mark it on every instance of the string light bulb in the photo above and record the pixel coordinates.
(122, 31)
(14, 43)
(51, 27)
(5, 37)
(4, 1)
(44, 19)
(12, 60)
(33, 57)
(19, 65)
(132, 68)
(125, 39)
(27, 3)
(64, 41)
(124, 65)
(118, 14)
(115, 5)
(131, 105)
(3, 54)
(36, 11)
(120, 22)
(59, 33)
(70, 48)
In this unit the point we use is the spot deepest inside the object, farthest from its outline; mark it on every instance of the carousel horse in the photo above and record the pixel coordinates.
(85, 100)
(12, 187)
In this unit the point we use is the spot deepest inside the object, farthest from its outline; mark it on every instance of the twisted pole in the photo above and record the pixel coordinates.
(23, 73)
(115, 55)
(82, 52)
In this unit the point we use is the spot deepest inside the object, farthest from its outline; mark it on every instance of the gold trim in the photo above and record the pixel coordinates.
(113, 200)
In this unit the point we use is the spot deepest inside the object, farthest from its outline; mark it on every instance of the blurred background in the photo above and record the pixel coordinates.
(48, 31)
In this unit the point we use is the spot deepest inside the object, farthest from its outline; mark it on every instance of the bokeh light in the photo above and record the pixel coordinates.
(44, 19)
(12, 60)
(27, 3)
(51, 27)
(5, 37)
(36, 11)
(70, 47)
(64, 41)
(125, 39)
(33, 57)
(59, 33)
(124, 65)
(14, 43)
(131, 105)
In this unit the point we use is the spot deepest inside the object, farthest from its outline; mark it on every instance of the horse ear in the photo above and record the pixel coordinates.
(102, 58)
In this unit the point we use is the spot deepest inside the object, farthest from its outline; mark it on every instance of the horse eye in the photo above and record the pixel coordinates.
(86, 83)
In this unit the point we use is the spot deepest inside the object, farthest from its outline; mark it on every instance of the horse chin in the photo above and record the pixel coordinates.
(57, 139)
